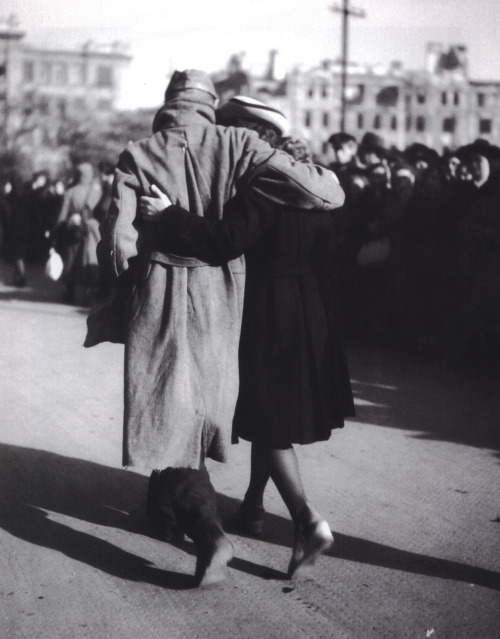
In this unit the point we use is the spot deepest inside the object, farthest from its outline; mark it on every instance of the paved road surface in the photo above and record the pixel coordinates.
(411, 489)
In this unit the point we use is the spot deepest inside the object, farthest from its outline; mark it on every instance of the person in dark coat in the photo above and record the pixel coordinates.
(183, 326)
(427, 238)
(294, 382)
(480, 236)
(16, 226)
(43, 210)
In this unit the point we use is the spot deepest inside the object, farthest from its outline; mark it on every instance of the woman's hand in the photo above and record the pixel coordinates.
(152, 207)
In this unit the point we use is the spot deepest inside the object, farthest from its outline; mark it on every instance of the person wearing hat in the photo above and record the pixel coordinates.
(345, 147)
(479, 234)
(372, 149)
(184, 318)
(294, 382)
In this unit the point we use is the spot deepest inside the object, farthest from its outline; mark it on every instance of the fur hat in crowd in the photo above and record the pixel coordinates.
(338, 140)
(243, 108)
(189, 79)
(373, 143)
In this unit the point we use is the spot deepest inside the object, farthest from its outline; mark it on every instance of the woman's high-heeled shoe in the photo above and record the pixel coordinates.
(249, 519)
(310, 542)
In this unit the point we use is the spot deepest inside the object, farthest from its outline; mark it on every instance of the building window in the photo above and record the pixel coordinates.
(307, 118)
(79, 75)
(104, 105)
(46, 73)
(310, 92)
(408, 123)
(481, 99)
(28, 71)
(421, 97)
(62, 107)
(444, 98)
(29, 103)
(324, 91)
(456, 98)
(104, 76)
(325, 146)
(420, 123)
(377, 122)
(326, 119)
(47, 135)
(449, 125)
(394, 123)
(361, 121)
(61, 74)
(44, 105)
(485, 125)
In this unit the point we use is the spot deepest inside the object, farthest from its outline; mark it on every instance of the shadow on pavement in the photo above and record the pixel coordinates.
(36, 483)
(369, 552)
(436, 399)
(279, 531)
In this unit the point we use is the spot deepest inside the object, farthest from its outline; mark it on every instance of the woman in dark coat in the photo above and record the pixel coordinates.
(294, 382)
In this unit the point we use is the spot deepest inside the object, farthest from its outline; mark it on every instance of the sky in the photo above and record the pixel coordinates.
(177, 34)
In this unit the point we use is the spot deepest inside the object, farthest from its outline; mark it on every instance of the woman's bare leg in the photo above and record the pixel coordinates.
(312, 533)
(259, 476)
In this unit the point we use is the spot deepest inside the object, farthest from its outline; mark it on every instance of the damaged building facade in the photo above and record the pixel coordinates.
(439, 106)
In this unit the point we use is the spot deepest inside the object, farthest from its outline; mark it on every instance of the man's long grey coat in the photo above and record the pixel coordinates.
(181, 351)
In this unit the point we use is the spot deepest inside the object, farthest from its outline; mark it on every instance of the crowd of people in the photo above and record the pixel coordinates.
(62, 214)
(417, 250)
(418, 246)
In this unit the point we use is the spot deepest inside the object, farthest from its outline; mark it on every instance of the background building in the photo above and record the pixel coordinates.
(42, 91)
(438, 106)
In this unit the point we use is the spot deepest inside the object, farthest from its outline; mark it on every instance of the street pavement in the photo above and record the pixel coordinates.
(411, 489)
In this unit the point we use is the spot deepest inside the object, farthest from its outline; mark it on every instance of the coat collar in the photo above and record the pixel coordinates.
(183, 112)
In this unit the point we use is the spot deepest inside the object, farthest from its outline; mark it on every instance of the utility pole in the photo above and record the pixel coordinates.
(346, 12)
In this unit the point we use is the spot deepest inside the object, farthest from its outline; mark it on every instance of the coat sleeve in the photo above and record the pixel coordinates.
(214, 241)
(277, 177)
(119, 236)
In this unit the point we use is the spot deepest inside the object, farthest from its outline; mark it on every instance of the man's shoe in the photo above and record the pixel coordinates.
(214, 552)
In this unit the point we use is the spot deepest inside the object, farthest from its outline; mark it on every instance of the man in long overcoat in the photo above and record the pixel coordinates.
(181, 344)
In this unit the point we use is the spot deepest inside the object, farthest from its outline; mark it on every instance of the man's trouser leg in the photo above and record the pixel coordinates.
(159, 509)
(195, 505)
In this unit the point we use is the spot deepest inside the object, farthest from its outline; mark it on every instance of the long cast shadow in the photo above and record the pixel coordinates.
(35, 483)
(279, 530)
(433, 399)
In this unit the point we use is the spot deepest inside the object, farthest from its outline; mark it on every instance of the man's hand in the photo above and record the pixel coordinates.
(151, 208)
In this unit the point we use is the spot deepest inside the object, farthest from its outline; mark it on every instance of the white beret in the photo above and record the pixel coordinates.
(249, 109)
